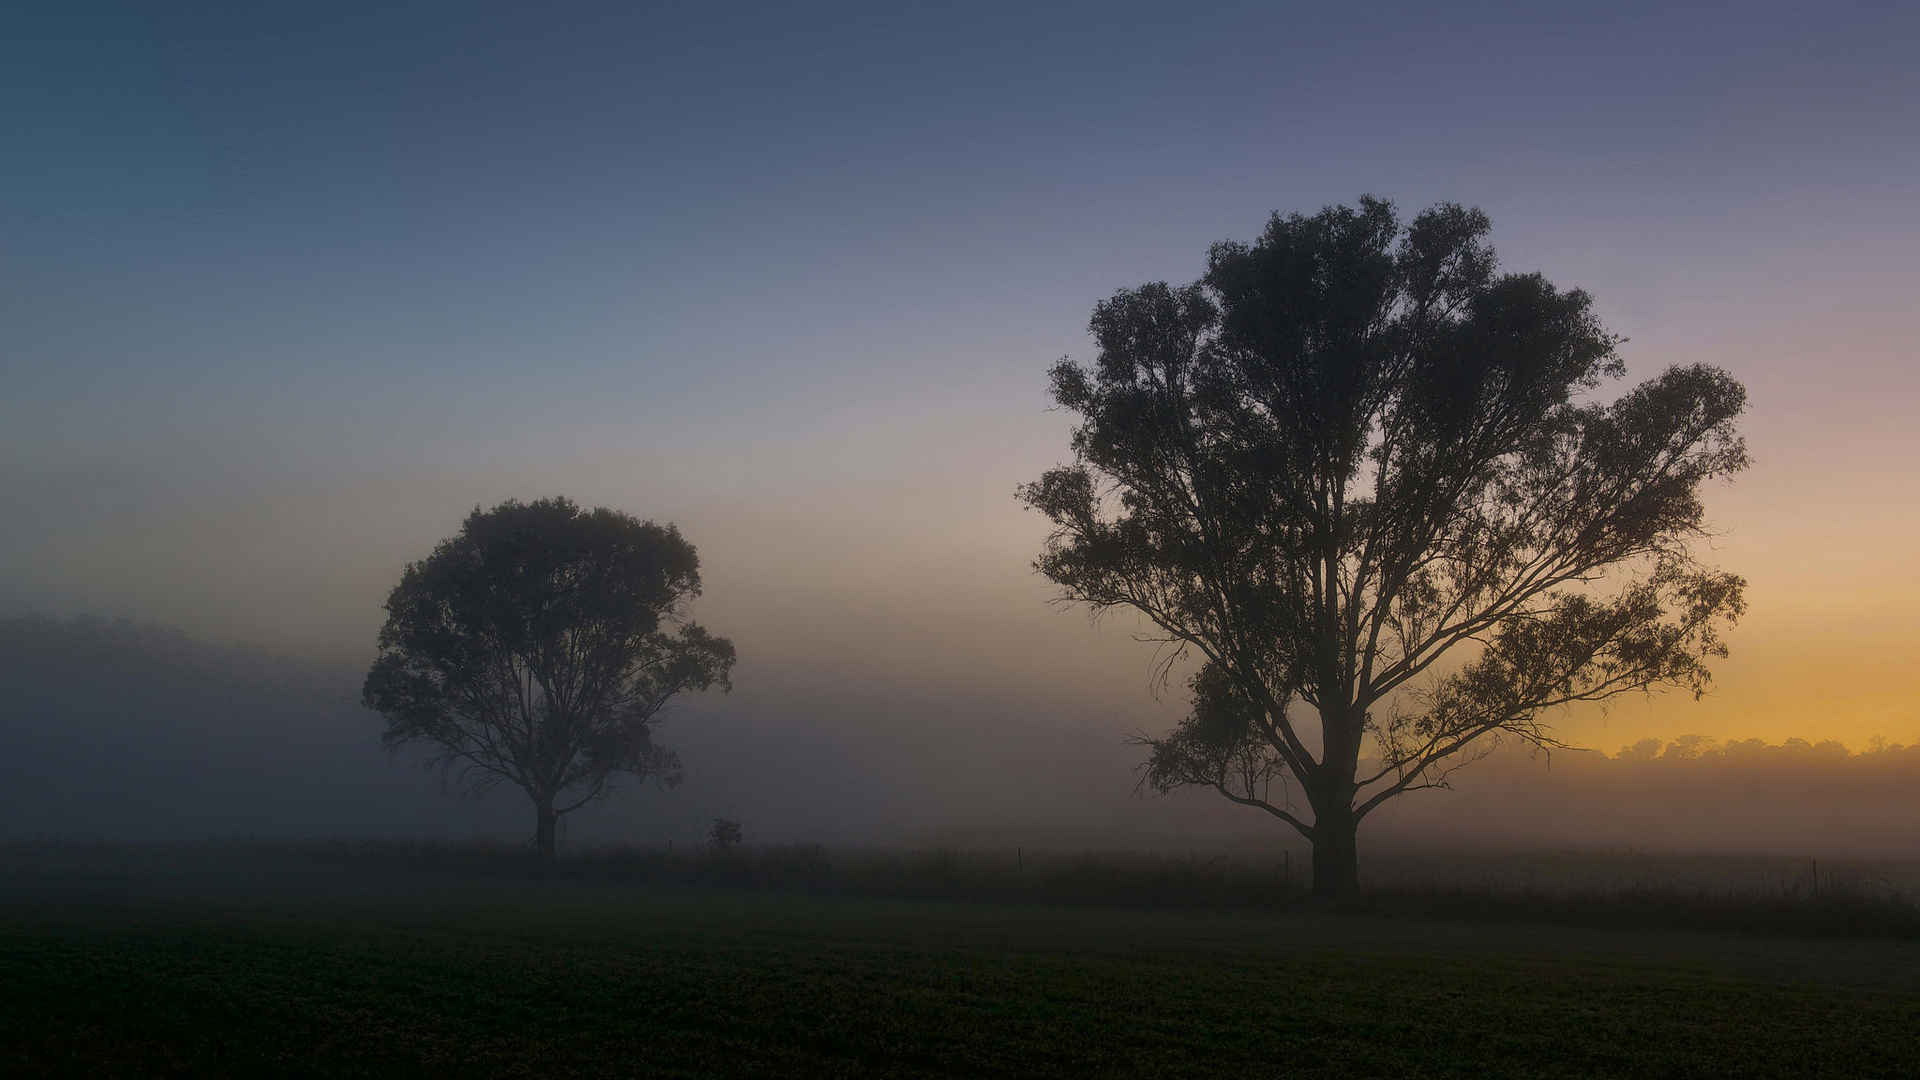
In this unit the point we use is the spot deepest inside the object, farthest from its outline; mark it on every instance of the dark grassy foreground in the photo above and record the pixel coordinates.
(319, 970)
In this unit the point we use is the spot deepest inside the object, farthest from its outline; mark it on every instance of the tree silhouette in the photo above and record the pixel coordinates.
(538, 647)
(1352, 449)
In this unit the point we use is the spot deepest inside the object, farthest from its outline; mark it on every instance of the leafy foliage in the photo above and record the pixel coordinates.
(539, 646)
(1353, 448)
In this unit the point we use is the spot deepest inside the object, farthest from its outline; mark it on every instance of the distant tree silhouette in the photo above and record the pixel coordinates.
(538, 647)
(1351, 449)
(725, 835)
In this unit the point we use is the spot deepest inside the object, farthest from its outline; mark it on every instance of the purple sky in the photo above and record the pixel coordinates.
(289, 291)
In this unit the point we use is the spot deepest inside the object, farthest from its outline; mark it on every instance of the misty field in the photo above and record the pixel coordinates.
(307, 967)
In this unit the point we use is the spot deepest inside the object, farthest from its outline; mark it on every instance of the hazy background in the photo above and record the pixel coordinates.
(287, 291)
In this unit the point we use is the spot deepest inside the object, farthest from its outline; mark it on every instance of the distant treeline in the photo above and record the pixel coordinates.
(1703, 750)
(1692, 794)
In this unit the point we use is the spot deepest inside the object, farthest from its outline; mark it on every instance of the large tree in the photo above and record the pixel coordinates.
(539, 646)
(1367, 479)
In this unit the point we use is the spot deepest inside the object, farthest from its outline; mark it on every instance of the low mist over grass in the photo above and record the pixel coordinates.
(125, 731)
(1747, 894)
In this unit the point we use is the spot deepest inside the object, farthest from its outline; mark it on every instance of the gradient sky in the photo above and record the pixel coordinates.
(288, 289)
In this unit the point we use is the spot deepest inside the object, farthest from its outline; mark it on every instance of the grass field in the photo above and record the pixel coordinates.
(315, 969)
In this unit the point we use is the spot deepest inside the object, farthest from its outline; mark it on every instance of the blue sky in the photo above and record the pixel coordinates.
(288, 289)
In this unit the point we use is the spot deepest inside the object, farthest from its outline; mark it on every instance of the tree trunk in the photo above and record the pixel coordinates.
(543, 836)
(1336, 856)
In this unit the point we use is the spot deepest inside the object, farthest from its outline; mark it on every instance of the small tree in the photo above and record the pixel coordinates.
(1353, 449)
(539, 646)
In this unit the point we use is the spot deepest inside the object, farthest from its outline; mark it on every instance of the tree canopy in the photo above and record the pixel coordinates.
(1352, 449)
(539, 645)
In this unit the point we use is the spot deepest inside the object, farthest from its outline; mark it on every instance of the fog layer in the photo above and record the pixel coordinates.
(123, 731)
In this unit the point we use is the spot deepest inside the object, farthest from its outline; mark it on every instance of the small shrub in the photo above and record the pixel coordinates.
(724, 836)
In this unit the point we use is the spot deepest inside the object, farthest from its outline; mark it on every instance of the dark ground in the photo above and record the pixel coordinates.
(156, 963)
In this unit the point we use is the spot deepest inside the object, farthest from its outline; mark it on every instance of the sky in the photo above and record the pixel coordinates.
(287, 290)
